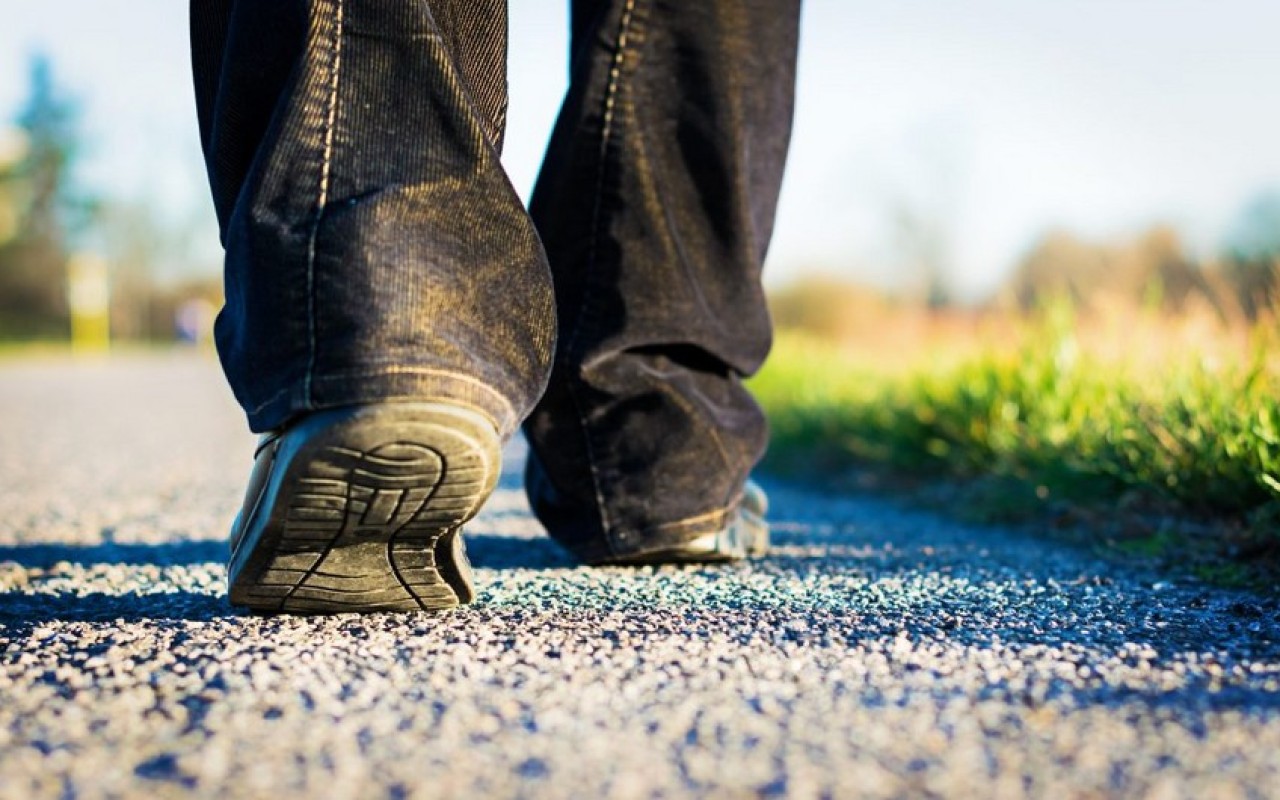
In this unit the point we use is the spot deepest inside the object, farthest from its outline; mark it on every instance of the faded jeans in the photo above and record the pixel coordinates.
(376, 251)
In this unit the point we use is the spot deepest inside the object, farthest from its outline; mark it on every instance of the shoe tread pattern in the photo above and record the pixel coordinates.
(374, 529)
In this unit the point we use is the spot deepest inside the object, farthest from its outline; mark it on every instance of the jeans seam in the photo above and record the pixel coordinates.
(322, 199)
(587, 306)
(730, 460)
(606, 135)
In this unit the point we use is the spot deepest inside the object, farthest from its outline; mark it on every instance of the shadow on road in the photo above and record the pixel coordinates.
(163, 554)
(485, 550)
(489, 551)
(20, 612)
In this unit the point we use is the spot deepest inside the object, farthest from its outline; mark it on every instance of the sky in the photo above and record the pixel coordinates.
(993, 121)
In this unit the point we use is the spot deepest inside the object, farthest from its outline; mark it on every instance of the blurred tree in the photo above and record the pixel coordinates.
(1251, 264)
(1154, 271)
(1256, 233)
(12, 147)
(1059, 266)
(922, 239)
(1151, 271)
(51, 211)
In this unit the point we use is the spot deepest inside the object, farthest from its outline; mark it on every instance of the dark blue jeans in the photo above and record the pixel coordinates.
(375, 250)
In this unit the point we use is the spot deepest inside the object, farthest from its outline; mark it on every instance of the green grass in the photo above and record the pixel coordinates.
(1175, 461)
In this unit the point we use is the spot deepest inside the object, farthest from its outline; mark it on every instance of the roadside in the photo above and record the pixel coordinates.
(1172, 463)
(877, 652)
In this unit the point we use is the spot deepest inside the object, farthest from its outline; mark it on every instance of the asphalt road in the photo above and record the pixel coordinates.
(877, 652)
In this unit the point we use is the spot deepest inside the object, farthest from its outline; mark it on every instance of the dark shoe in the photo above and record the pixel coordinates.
(746, 535)
(361, 509)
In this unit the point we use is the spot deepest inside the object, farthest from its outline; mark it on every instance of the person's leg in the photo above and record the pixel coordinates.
(375, 249)
(389, 310)
(656, 204)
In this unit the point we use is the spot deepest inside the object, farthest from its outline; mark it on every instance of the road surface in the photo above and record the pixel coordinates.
(877, 652)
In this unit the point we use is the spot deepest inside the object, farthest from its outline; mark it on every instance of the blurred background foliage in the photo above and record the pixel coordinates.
(1121, 393)
(47, 217)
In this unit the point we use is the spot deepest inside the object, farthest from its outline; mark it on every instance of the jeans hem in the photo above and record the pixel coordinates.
(634, 542)
(616, 545)
(389, 385)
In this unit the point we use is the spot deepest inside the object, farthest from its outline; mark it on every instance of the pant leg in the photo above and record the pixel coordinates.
(374, 247)
(656, 204)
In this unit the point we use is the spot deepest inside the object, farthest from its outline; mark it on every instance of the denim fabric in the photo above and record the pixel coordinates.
(376, 251)
(655, 204)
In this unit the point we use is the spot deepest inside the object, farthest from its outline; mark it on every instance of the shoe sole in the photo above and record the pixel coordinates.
(366, 515)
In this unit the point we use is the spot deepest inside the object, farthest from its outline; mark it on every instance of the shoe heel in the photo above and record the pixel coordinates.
(365, 512)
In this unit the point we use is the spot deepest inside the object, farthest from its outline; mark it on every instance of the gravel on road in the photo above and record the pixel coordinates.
(877, 652)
